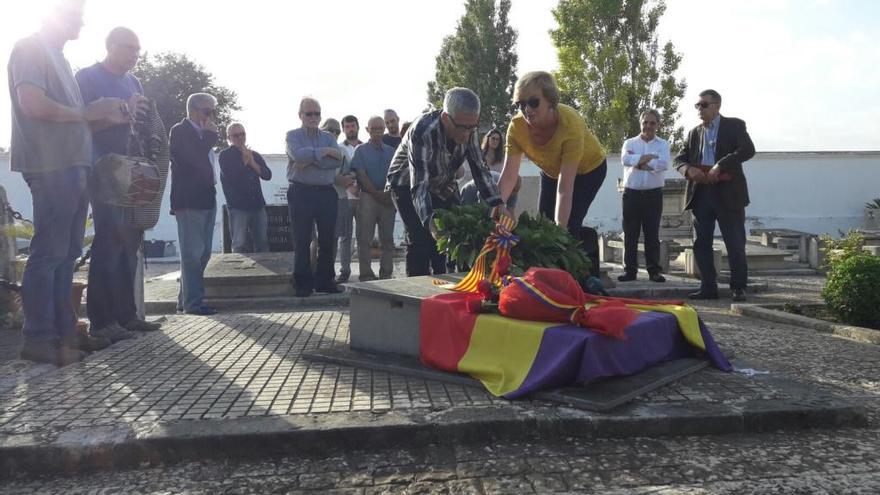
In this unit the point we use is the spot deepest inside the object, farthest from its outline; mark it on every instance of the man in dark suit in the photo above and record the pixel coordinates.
(712, 161)
(193, 197)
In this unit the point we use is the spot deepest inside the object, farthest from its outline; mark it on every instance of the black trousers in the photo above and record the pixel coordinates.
(586, 187)
(641, 214)
(707, 208)
(422, 257)
(312, 206)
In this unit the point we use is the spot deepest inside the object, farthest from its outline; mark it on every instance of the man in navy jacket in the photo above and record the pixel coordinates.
(193, 197)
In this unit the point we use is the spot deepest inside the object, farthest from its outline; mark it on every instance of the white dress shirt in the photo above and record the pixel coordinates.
(631, 153)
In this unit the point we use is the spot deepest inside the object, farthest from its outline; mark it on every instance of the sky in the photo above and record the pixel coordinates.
(802, 74)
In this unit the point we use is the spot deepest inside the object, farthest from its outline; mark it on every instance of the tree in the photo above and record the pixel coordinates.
(481, 55)
(611, 67)
(169, 78)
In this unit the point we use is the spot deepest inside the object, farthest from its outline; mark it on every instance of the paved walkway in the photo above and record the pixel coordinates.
(234, 366)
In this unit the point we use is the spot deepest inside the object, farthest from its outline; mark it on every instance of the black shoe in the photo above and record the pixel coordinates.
(51, 353)
(87, 343)
(626, 277)
(203, 311)
(703, 295)
(341, 279)
(738, 295)
(330, 289)
(303, 293)
(657, 277)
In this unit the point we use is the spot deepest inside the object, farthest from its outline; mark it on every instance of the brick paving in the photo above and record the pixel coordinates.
(248, 364)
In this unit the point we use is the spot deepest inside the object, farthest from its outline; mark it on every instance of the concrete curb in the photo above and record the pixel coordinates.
(285, 303)
(674, 291)
(859, 334)
(136, 444)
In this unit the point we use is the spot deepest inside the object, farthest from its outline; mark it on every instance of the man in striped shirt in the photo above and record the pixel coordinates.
(422, 175)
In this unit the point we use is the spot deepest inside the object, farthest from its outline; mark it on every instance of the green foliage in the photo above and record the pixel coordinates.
(480, 56)
(612, 66)
(873, 205)
(838, 251)
(463, 231)
(851, 292)
(169, 78)
(545, 244)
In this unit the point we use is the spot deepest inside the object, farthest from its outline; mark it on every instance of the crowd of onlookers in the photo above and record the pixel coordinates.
(63, 123)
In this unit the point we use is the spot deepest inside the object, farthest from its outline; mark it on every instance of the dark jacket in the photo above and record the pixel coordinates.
(733, 147)
(192, 173)
(241, 185)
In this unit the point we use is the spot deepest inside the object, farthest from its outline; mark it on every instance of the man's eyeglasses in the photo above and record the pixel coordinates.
(462, 127)
(312, 114)
(238, 135)
(703, 104)
(532, 102)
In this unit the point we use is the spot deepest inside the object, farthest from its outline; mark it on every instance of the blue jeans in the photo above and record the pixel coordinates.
(255, 221)
(195, 232)
(113, 266)
(60, 200)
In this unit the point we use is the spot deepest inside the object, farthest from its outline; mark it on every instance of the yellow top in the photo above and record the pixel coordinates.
(573, 141)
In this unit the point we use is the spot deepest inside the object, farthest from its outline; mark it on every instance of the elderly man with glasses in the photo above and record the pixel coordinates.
(314, 160)
(241, 170)
(712, 160)
(193, 197)
(422, 175)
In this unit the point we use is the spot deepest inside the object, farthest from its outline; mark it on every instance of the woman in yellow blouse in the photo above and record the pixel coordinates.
(556, 138)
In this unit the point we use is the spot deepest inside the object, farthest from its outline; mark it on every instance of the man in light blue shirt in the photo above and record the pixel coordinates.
(314, 159)
(371, 162)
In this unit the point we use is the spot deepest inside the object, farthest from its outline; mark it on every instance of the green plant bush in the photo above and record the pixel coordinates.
(852, 292)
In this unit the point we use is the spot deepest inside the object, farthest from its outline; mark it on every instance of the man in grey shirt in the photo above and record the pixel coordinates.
(314, 159)
(52, 148)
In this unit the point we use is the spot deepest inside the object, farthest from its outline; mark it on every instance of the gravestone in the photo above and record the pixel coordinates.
(278, 229)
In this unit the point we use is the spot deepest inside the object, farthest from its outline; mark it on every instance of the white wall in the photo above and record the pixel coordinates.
(812, 192)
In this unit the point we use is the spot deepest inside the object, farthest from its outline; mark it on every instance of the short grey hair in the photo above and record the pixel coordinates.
(195, 100)
(308, 99)
(461, 100)
(389, 110)
(650, 111)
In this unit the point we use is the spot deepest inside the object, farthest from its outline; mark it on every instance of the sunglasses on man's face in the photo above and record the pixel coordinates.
(703, 104)
(312, 114)
(531, 102)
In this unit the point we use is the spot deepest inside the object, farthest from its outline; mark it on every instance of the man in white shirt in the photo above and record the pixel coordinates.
(645, 159)
(350, 195)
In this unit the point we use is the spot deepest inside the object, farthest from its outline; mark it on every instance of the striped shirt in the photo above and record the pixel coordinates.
(424, 163)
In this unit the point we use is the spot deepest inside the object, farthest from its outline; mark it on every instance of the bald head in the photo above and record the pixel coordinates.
(376, 128)
(123, 50)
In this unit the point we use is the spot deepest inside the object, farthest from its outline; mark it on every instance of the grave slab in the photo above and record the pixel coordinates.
(601, 396)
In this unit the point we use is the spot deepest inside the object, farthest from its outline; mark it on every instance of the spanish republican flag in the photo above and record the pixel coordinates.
(601, 338)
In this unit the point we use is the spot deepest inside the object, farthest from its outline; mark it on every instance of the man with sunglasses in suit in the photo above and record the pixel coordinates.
(711, 160)
(421, 177)
(193, 197)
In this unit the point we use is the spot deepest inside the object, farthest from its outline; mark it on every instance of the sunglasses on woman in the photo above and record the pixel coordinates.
(531, 102)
